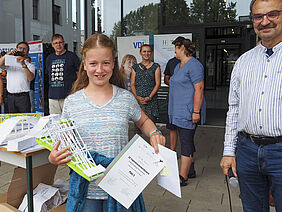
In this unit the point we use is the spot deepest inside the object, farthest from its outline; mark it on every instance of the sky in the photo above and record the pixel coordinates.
(112, 9)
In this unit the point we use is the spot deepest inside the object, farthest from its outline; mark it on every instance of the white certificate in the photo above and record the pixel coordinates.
(168, 178)
(131, 171)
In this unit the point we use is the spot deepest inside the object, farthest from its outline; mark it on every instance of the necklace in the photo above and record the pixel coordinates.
(147, 64)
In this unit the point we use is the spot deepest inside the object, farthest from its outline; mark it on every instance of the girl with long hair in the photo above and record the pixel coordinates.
(126, 68)
(102, 109)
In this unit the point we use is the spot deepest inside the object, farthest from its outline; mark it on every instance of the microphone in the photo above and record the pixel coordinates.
(233, 181)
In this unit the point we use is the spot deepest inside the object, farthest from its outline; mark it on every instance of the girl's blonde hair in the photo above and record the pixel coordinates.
(124, 59)
(94, 41)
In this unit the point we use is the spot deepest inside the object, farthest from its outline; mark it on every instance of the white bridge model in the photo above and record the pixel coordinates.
(19, 132)
(66, 132)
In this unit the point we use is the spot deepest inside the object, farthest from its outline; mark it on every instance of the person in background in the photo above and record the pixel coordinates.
(169, 69)
(62, 67)
(173, 135)
(102, 109)
(185, 108)
(126, 67)
(253, 135)
(145, 83)
(18, 79)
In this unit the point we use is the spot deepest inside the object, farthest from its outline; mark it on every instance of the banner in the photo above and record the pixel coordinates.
(36, 54)
(7, 47)
(131, 45)
(164, 49)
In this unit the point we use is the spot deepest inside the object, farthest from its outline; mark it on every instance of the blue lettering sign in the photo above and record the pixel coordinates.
(138, 44)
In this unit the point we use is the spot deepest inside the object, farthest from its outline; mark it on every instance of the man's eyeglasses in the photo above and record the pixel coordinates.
(272, 15)
(22, 48)
(56, 43)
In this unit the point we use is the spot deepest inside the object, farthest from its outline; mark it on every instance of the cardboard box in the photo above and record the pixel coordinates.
(61, 208)
(5, 207)
(10, 201)
(17, 189)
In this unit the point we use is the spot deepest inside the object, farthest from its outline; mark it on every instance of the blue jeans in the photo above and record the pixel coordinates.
(98, 205)
(259, 169)
(92, 205)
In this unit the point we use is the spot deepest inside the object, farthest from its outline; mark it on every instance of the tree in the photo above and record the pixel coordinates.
(174, 12)
(145, 20)
(217, 11)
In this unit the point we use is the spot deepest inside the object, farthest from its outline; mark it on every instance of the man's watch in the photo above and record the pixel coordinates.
(24, 66)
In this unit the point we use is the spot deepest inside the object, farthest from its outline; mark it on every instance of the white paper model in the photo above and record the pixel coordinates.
(16, 127)
(28, 140)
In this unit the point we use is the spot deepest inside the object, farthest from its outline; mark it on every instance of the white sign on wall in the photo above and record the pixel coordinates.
(164, 49)
(7, 47)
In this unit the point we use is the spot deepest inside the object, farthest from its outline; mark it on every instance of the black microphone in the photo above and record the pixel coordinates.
(233, 181)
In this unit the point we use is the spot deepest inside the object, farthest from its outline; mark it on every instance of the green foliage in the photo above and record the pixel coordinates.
(217, 11)
(175, 12)
(145, 20)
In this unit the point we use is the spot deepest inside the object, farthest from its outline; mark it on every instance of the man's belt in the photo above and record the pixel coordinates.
(262, 140)
(19, 94)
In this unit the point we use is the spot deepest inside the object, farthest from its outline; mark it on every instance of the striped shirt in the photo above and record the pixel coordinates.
(255, 96)
(103, 128)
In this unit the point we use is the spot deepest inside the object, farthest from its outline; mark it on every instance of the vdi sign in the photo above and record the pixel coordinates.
(138, 44)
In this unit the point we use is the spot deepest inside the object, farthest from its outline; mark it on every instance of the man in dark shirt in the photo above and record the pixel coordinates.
(62, 67)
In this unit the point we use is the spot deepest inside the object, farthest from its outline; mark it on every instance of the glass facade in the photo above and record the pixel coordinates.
(221, 29)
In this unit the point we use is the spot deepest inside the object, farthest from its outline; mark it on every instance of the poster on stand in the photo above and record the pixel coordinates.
(36, 54)
(131, 45)
(164, 49)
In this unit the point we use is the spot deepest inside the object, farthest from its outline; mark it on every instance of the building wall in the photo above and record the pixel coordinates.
(12, 26)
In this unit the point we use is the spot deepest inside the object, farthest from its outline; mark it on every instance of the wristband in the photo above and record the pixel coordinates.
(24, 66)
(196, 112)
(155, 131)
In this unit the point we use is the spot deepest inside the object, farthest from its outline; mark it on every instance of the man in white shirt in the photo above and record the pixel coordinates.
(18, 80)
(253, 138)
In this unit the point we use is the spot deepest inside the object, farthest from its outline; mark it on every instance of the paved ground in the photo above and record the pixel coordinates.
(207, 192)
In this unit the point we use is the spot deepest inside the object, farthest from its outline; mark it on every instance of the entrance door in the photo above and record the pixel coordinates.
(220, 60)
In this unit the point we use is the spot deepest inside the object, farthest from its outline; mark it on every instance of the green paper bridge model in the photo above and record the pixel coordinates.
(82, 161)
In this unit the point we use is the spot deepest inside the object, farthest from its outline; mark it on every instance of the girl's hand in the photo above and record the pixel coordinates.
(59, 157)
(156, 139)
